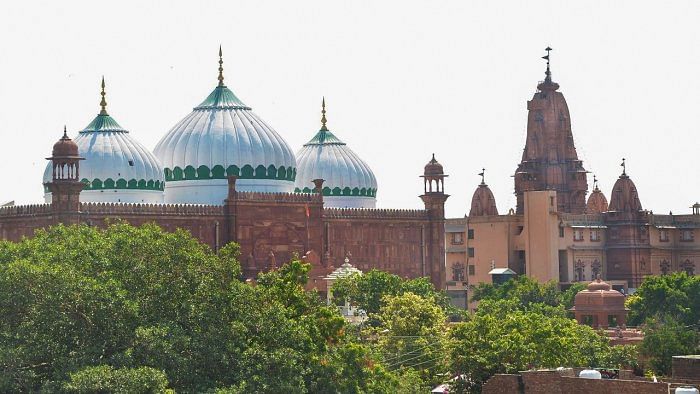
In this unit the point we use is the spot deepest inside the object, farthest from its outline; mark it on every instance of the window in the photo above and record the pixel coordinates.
(663, 235)
(470, 252)
(561, 232)
(471, 270)
(458, 272)
(457, 238)
(595, 235)
(687, 235)
(470, 233)
(578, 235)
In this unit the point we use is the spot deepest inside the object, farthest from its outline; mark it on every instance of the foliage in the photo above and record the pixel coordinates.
(367, 291)
(504, 337)
(676, 295)
(412, 335)
(527, 291)
(84, 306)
(665, 339)
(105, 379)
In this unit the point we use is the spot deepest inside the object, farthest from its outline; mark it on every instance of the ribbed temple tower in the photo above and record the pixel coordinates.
(549, 159)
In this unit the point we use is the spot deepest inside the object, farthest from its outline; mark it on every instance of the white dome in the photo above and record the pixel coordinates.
(219, 138)
(348, 180)
(117, 168)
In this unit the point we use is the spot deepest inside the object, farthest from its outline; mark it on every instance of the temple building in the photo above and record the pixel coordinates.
(554, 233)
(225, 175)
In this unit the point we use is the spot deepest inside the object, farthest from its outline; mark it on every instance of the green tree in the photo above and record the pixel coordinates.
(412, 335)
(367, 291)
(84, 307)
(676, 296)
(665, 339)
(105, 379)
(504, 337)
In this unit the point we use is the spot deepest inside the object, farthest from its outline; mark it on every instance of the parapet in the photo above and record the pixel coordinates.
(149, 209)
(26, 210)
(364, 213)
(279, 197)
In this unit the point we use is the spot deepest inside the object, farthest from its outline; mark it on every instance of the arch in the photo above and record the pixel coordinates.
(247, 171)
(178, 174)
(190, 173)
(356, 191)
(326, 191)
(271, 171)
(260, 172)
(203, 172)
(121, 183)
(159, 185)
(109, 183)
(96, 184)
(347, 191)
(132, 184)
(84, 180)
(281, 173)
(307, 190)
(363, 191)
(168, 174)
(336, 191)
(141, 184)
(218, 172)
(150, 184)
(233, 170)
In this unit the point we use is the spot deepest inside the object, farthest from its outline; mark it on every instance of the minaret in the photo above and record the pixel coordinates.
(434, 198)
(65, 185)
(549, 160)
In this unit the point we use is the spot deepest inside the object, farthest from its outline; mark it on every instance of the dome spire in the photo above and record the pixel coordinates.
(65, 132)
(481, 174)
(221, 68)
(323, 114)
(103, 102)
(624, 168)
(595, 183)
(548, 73)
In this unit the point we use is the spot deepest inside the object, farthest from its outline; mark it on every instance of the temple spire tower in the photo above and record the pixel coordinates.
(549, 160)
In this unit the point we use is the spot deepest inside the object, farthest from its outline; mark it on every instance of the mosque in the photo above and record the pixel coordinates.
(225, 175)
(555, 233)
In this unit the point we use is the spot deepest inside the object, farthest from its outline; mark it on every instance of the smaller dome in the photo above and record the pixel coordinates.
(483, 202)
(433, 168)
(65, 147)
(348, 180)
(624, 197)
(597, 203)
(599, 296)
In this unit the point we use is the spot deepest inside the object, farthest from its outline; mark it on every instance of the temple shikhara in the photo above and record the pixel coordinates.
(225, 175)
(555, 232)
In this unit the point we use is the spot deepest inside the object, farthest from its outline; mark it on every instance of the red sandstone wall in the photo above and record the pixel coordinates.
(387, 242)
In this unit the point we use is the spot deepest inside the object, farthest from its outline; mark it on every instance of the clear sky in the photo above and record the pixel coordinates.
(402, 79)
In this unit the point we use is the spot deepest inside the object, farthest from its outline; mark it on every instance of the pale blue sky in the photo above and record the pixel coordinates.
(402, 79)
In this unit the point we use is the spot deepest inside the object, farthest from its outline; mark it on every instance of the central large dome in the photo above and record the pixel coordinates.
(222, 137)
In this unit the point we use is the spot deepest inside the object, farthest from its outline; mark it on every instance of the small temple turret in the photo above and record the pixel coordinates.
(624, 196)
(483, 201)
(597, 203)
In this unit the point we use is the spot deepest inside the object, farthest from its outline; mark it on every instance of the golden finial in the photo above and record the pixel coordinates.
(103, 102)
(221, 68)
(323, 114)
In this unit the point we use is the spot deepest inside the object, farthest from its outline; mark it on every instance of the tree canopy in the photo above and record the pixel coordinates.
(83, 307)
